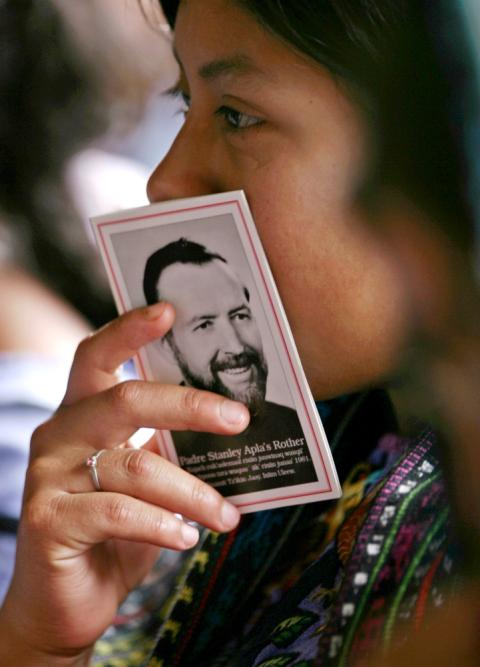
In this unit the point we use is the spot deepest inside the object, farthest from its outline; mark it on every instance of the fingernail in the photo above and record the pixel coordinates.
(230, 516)
(155, 311)
(189, 534)
(233, 413)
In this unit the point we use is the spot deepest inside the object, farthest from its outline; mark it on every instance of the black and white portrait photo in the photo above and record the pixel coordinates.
(216, 342)
(229, 336)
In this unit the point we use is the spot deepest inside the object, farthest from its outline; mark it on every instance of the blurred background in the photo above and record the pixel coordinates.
(82, 122)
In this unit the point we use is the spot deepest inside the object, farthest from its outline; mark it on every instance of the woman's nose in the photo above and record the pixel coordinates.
(186, 169)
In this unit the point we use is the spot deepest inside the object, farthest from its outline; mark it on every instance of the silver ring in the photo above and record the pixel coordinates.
(91, 464)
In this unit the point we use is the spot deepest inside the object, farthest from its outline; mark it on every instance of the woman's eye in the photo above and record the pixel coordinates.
(236, 120)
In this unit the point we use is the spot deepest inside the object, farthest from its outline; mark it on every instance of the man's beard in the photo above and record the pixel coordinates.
(253, 396)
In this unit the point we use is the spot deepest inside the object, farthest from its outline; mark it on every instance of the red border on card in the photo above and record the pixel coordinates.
(100, 227)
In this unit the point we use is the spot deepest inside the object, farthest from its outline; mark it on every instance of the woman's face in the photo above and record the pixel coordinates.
(264, 119)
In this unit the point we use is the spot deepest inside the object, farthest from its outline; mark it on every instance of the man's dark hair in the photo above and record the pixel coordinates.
(182, 251)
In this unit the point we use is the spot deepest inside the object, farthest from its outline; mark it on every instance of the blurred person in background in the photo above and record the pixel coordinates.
(291, 586)
(423, 197)
(68, 94)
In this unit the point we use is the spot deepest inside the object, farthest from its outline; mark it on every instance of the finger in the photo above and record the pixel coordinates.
(149, 477)
(108, 419)
(152, 444)
(96, 517)
(98, 357)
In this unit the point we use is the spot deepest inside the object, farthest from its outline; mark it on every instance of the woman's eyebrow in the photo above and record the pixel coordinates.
(239, 64)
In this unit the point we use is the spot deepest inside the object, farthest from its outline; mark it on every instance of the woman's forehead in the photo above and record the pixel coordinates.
(219, 37)
(217, 24)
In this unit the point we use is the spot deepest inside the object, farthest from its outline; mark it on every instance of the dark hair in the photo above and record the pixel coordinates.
(426, 112)
(182, 251)
(345, 36)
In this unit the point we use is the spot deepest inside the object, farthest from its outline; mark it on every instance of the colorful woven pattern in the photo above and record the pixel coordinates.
(315, 584)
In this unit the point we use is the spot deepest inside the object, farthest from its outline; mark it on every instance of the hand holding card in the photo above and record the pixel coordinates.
(230, 336)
